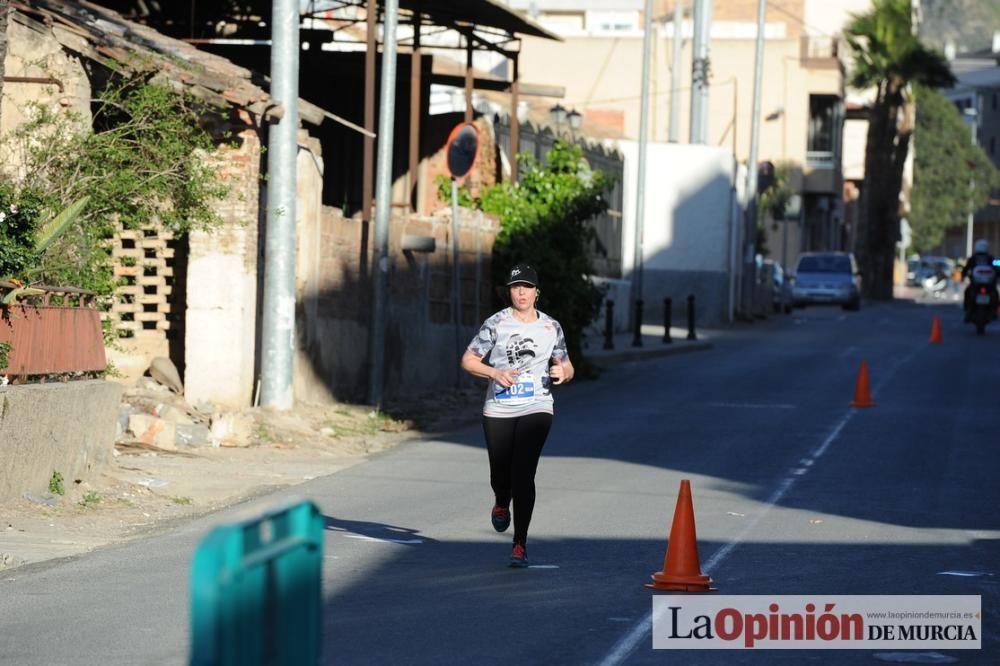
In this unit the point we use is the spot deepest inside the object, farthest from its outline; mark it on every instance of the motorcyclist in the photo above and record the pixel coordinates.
(980, 257)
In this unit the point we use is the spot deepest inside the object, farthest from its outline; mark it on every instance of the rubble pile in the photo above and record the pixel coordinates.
(155, 414)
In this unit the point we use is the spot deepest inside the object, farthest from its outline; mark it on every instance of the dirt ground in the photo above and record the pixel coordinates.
(147, 488)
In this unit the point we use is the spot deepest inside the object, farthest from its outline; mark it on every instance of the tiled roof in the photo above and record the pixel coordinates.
(102, 35)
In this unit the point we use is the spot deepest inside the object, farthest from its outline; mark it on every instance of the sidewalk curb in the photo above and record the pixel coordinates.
(608, 359)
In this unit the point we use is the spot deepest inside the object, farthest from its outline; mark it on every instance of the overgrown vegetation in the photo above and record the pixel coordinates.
(543, 222)
(951, 175)
(56, 486)
(90, 499)
(5, 349)
(139, 163)
(19, 214)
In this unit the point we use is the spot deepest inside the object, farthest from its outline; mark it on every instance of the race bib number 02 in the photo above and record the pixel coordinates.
(522, 391)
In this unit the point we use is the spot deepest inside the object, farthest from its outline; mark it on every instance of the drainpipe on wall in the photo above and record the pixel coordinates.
(640, 201)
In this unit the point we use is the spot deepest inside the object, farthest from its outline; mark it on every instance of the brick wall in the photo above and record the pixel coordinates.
(483, 174)
(333, 307)
(144, 265)
(220, 341)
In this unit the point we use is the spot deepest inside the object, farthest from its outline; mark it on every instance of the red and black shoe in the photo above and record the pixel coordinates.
(500, 517)
(519, 556)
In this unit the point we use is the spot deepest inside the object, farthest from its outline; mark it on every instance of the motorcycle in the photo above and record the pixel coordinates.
(983, 308)
(937, 286)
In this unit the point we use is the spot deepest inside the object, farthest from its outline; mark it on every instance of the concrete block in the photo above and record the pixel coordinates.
(232, 429)
(154, 431)
(173, 415)
(44, 428)
(193, 435)
(164, 371)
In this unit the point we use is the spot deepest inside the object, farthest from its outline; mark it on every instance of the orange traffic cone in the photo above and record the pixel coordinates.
(862, 392)
(936, 337)
(681, 568)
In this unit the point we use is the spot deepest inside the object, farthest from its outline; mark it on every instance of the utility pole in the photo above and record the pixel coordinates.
(675, 74)
(700, 70)
(749, 272)
(383, 206)
(640, 201)
(278, 317)
(972, 115)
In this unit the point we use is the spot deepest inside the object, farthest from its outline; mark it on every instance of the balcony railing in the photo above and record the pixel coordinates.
(55, 333)
(818, 50)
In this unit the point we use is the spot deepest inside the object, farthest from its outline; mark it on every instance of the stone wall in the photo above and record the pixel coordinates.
(37, 54)
(335, 293)
(76, 437)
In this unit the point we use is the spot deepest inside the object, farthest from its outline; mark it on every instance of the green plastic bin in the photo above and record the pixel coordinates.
(256, 590)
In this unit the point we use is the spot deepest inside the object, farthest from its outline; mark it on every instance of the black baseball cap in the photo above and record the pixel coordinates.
(523, 273)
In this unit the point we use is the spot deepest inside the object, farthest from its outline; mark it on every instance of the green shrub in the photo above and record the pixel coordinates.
(138, 162)
(56, 486)
(543, 220)
(19, 213)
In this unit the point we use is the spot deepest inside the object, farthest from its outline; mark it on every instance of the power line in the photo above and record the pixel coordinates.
(609, 100)
(798, 19)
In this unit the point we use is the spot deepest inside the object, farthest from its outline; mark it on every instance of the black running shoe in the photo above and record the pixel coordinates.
(519, 557)
(500, 518)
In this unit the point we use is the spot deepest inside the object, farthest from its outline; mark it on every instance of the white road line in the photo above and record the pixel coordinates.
(892, 371)
(362, 537)
(624, 647)
(640, 632)
(821, 449)
(751, 405)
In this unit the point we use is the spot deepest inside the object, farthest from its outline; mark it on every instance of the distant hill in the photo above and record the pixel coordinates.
(970, 23)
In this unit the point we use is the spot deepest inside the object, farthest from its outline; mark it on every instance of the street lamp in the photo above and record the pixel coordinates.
(575, 120)
(972, 117)
(558, 115)
(522, 112)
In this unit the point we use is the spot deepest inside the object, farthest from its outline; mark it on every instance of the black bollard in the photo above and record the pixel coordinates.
(637, 327)
(691, 335)
(668, 316)
(609, 325)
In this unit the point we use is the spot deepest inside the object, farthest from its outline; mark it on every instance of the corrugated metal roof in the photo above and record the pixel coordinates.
(489, 13)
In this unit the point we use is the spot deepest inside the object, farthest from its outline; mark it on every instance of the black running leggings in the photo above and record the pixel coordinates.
(514, 445)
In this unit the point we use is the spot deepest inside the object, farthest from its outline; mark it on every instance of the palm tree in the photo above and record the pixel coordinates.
(888, 57)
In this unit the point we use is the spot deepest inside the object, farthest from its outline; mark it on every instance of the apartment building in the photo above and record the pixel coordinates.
(976, 95)
(803, 90)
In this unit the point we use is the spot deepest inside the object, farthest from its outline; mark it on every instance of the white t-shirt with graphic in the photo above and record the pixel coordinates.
(506, 343)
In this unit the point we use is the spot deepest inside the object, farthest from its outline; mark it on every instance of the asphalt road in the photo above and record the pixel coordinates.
(794, 492)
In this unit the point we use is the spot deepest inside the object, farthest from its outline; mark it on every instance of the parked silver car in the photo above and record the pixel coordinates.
(827, 278)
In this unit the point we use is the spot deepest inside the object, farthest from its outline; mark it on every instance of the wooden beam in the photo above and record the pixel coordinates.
(468, 80)
(499, 85)
(412, 179)
(368, 159)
